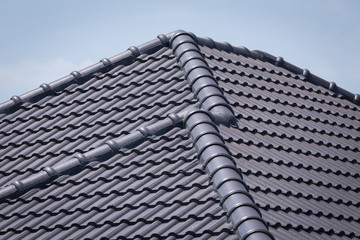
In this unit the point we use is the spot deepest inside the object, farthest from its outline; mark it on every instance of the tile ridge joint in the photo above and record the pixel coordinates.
(103, 152)
(217, 161)
(200, 77)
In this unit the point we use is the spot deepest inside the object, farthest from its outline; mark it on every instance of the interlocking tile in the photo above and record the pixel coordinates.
(182, 137)
(77, 118)
(127, 195)
(297, 145)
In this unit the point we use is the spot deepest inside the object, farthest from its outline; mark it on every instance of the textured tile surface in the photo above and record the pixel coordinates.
(83, 116)
(157, 189)
(129, 195)
(297, 145)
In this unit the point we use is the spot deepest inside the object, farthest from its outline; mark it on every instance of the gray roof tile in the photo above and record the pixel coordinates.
(254, 142)
(297, 145)
(168, 186)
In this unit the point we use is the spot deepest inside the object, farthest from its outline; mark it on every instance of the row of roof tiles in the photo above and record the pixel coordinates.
(214, 72)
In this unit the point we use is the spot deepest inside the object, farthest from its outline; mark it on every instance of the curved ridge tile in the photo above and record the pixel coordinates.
(168, 197)
(216, 159)
(109, 148)
(200, 77)
(152, 180)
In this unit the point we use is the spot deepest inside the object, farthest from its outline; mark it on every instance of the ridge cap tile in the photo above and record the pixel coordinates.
(166, 41)
(106, 150)
(196, 69)
(236, 200)
(212, 109)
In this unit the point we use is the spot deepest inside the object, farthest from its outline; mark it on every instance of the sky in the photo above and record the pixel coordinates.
(42, 41)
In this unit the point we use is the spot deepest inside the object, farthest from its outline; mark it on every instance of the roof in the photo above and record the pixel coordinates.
(182, 137)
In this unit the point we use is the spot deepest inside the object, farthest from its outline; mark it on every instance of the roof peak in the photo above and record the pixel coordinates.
(200, 77)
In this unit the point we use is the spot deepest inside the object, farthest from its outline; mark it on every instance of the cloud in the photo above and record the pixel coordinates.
(20, 78)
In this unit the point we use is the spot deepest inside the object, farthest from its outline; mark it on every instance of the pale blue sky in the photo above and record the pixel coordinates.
(42, 41)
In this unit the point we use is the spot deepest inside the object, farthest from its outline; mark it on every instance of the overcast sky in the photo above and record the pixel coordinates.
(41, 41)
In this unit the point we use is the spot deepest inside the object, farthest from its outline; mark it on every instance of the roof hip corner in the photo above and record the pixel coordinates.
(200, 77)
(227, 180)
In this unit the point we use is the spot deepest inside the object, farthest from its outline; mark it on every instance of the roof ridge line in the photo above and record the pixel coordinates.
(280, 62)
(213, 154)
(79, 77)
(200, 77)
(152, 46)
(106, 150)
(227, 180)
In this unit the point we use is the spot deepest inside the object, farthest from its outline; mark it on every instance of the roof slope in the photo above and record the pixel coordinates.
(297, 145)
(182, 137)
(83, 115)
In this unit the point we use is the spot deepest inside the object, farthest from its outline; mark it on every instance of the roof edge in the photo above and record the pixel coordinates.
(127, 57)
(105, 151)
(79, 77)
(279, 61)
